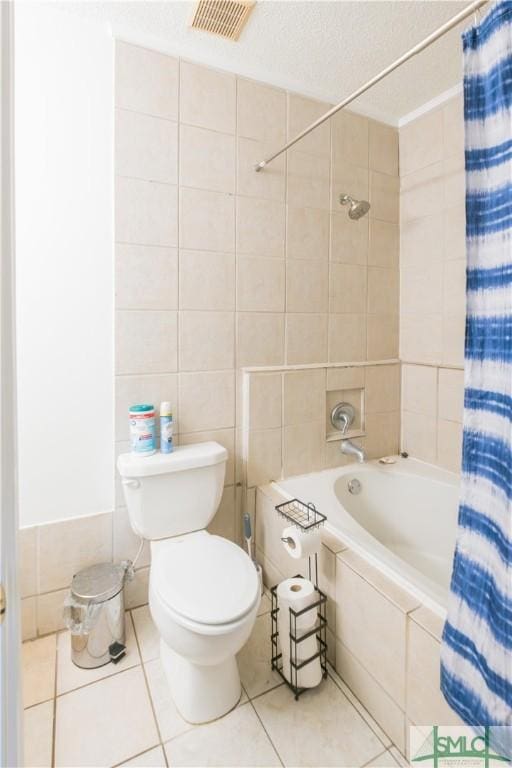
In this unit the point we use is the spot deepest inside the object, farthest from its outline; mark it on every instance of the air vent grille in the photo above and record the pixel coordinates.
(226, 18)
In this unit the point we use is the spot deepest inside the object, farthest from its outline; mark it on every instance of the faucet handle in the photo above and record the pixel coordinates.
(342, 416)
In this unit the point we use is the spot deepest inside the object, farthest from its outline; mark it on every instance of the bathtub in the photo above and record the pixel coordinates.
(403, 520)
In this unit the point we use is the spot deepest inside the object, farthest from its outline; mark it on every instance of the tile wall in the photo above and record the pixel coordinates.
(286, 421)
(218, 268)
(432, 284)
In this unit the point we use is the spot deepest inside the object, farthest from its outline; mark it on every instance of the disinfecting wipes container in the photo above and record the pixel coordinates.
(142, 429)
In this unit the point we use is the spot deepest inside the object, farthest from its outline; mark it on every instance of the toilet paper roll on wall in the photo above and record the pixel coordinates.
(300, 543)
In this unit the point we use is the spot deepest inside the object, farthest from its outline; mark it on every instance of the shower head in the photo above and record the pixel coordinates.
(357, 208)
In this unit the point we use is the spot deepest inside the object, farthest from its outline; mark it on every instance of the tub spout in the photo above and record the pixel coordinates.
(352, 449)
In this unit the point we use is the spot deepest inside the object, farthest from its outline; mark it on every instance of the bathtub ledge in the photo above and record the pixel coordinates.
(402, 599)
(429, 621)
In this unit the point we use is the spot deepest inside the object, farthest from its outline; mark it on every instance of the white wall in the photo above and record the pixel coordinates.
(64, 199)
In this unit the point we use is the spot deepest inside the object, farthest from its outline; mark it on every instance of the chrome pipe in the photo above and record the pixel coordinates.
(442, 30)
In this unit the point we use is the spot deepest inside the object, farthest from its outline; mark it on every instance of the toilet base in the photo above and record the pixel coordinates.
(201, 693)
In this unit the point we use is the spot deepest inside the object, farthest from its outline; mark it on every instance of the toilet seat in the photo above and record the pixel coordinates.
(204, 579)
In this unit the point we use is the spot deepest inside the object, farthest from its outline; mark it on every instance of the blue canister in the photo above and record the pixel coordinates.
(142, 429)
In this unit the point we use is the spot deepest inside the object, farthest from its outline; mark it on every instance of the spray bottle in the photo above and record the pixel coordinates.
(166, 428)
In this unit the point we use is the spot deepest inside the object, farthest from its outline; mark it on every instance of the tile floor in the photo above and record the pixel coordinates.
(124, 716)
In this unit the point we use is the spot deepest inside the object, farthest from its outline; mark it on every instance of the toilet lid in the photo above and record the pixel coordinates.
(206, 579)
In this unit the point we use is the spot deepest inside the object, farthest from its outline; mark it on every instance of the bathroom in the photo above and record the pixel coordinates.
(288, 222)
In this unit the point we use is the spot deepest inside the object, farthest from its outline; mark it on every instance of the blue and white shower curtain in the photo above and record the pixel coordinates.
(476, 658)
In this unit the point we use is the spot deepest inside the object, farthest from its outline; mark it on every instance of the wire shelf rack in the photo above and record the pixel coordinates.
(295, 639)
(304, 515)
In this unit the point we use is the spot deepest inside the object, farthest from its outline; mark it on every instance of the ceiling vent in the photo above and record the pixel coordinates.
(226, 18)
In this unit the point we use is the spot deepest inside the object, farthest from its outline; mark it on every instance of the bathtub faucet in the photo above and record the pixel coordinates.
(352, 449)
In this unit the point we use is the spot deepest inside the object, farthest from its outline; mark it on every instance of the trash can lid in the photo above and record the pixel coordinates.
(98, 582)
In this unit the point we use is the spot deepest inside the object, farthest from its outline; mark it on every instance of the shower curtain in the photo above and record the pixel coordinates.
(476, 657)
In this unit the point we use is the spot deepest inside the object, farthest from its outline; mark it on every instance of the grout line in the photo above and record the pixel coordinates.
(264, 693)
(139, 754)
(148, 688)
(374, 758)
(367, 717)
(266, 732)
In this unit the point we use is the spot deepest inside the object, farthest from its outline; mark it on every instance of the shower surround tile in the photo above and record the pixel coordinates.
(306, 338)
(207, 220)
(207, 400)
(260, 285)
(308, 178)
(260, 227)
(206, 341)
(146, 147)
(350, 138)
(261, 111)
(260, 338)
(146, 81)
(433, 254)
(146, 212)
(307, 231)
(302, 112)
(383, 148)
(153, 334)
(146, 277)
(270, 183)
(216, 288)
(384, 244)
(207, 159)
(307, 285)
(207, 97)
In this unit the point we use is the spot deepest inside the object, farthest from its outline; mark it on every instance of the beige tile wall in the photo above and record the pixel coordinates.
(217, 267)
(432, 284)
(286, 425)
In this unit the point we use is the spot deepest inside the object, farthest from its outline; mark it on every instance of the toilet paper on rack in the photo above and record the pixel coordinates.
(298, 593)
(300, 543)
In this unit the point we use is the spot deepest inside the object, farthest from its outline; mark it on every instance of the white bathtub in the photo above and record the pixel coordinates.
(403, 520)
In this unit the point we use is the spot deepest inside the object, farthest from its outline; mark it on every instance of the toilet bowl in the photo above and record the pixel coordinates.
(204, 590)
(203, 596)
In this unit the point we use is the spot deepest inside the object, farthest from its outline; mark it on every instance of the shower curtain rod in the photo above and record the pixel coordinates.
(405, 57)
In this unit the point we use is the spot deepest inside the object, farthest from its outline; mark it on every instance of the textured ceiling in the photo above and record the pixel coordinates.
(324, 49)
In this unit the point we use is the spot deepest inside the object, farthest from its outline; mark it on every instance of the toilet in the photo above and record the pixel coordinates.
(204, 590)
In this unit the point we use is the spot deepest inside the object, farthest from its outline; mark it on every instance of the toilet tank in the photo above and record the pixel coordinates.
(170, 494)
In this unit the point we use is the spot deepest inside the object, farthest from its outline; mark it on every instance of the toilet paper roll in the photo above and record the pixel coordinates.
(309, 676)
(296, 593)
(300, 543)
